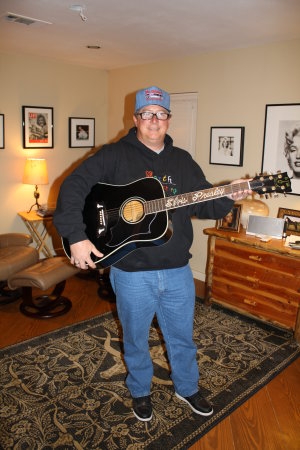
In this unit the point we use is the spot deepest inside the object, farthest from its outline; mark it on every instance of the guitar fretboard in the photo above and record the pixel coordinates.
(177, 201)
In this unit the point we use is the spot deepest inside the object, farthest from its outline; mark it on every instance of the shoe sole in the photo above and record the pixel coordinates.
(141, 418)
(192, 408)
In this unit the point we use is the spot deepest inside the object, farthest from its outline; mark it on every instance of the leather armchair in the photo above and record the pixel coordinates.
(15, 255)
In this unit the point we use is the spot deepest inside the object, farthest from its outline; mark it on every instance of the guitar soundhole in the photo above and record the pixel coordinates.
(133, 211)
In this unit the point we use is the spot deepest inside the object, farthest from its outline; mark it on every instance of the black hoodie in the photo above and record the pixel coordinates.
(122, 163)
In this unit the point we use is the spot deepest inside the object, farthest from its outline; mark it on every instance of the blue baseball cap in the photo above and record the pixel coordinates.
(152, 96)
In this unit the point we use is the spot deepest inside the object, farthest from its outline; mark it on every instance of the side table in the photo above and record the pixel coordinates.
(37, 227)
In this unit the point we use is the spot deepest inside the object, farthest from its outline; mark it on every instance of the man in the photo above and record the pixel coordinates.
(151, 280)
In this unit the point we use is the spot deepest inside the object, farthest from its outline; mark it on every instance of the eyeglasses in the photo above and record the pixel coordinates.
(148, 115)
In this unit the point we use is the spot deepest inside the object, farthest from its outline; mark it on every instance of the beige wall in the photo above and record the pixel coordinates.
(72, 91)
(233, 89)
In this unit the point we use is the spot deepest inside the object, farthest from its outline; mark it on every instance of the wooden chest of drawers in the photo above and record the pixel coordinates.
(253, 277)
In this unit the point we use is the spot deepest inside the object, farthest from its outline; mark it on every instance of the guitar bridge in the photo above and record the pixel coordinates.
(101, 225)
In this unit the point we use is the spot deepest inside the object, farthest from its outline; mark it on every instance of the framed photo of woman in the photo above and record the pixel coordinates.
(81, 132)
(37, 122)
(281, 150)
(231, 222)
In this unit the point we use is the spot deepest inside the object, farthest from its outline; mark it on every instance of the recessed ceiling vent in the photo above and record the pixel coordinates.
(24, 20)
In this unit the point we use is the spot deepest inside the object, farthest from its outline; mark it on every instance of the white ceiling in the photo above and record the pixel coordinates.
(138, 31)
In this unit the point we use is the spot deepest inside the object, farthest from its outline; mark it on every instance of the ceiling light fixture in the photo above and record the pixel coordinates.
(93, 47)
(80, 9)
(25, 20)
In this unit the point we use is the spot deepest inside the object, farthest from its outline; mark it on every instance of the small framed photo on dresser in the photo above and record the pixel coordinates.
(292, 217)
(231, 222)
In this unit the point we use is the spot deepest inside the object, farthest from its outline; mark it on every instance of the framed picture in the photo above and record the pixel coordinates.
(1, 130)
(37, 124)
(231, 222)
(227, 146)
(281, 147)
(293, 220)
(81, 132)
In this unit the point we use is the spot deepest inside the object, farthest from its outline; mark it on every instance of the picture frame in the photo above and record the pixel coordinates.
(81, 132)
(37, 122)
(227, 146)
(2, 141)
(281, 141)
(231, 222)
(293, 220)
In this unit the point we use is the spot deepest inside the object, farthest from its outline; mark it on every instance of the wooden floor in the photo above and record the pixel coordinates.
(269, 420)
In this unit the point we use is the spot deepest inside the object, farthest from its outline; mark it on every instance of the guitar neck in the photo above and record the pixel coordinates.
(191, 198)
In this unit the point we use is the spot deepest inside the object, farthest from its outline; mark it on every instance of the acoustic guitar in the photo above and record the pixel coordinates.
(122, 218)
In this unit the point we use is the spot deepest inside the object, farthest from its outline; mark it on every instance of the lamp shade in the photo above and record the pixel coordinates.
(35, 171)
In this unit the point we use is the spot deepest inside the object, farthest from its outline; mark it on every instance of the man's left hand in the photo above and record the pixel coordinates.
(239, 195)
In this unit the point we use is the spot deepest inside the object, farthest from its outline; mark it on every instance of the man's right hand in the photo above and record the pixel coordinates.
(81, 254)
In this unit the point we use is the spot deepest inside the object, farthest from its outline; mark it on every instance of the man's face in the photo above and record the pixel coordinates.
(151, 132)
(294, 156)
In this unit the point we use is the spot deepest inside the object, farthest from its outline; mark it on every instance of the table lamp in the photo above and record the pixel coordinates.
(35, 173)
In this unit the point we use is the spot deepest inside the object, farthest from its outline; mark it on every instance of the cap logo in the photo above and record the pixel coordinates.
(153, 95)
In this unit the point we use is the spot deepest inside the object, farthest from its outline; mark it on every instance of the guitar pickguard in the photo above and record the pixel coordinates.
(123, 232)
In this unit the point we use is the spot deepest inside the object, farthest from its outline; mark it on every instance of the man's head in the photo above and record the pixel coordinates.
(152, 116)
(292, 150)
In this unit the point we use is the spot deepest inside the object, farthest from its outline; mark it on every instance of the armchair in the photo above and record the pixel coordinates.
(15, 255)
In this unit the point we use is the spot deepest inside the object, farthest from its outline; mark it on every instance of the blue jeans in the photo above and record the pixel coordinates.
(170, 294)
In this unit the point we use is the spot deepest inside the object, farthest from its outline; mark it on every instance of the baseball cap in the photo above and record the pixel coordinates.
(152, 96)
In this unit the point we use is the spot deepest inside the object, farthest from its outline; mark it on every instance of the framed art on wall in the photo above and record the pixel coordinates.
(81, 132)
(1, 130)
(37, 124)
(281, 147)
(293, 220)
(227, 146)
(231, 222)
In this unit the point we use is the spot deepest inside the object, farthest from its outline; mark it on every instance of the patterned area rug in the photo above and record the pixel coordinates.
(65, 390)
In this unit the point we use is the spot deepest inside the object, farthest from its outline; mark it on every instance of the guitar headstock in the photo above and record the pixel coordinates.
(267, 184)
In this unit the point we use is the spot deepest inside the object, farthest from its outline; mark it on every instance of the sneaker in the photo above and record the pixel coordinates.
(142, 408)
(198, 404)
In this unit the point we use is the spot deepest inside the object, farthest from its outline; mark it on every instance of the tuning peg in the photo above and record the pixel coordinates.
(266, 196)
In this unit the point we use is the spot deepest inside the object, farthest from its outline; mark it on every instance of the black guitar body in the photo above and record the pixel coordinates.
(116, 222)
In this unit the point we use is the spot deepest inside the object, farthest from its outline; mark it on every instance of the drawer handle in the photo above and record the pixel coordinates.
(249, 302)
(254, 280)
(255, 258)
